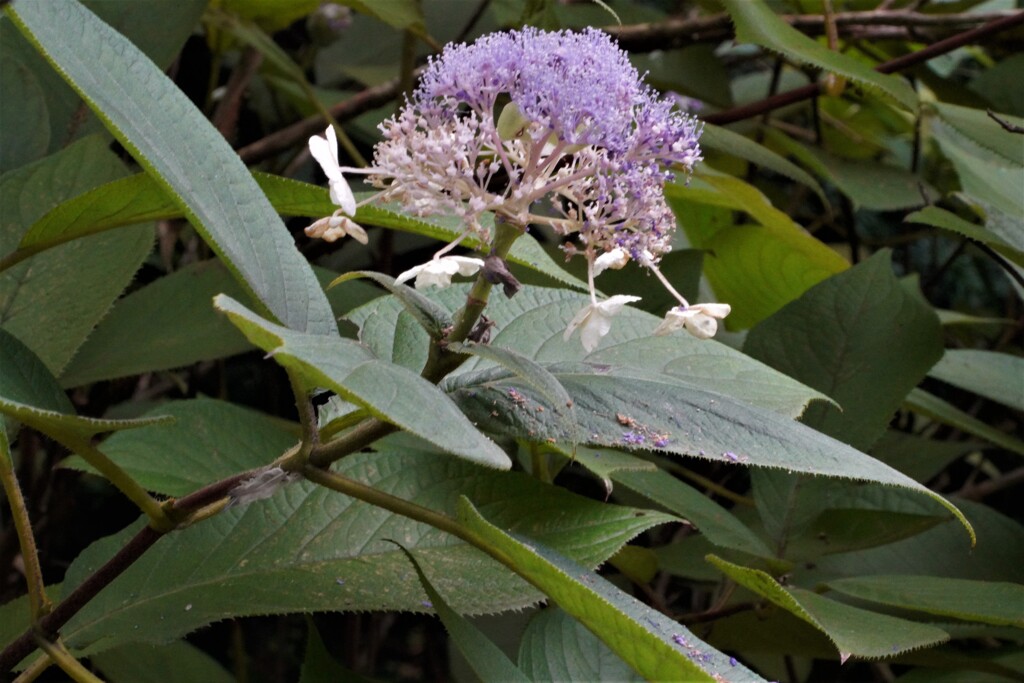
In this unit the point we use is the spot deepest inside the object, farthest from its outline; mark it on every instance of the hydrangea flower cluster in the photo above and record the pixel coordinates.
(548, 128)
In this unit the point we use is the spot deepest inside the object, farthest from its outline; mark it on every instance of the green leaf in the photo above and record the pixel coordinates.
(158, 27)
(998, 555)
(998, 376)
(556, 647)
(176, 662)
(30, 394)
(869, 184)
(389, 391)
(756, 23)
(710, 518)
(171, 323)
(431, 317)
(230, 438)
(861, 338)
(175, 143)
(319, 667)
(1002, 147)
(926, 404)
(70, 288)
(602, 463)
(854, 631)
(947, 220)
(919, 457)
(654, 645)
(839, 530)
(720, 139)
(484, 657)
(23, 110)
(140, 198)
(996, 603)
(310, 549)
(741, 259)
(533, 322)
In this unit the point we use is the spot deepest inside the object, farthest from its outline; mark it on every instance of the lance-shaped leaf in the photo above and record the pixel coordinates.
(309, 549)
(657, 647)
(30, 394)
(756, 23)
(931, 406)
(176, 662)
(484, 657)
(177, 145)
(389, 391)
(556, 647)
(998, 376)
(854, 631)
(533, 322)
(991, 602)
(70, 288)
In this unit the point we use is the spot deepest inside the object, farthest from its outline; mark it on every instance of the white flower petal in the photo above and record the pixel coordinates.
(701, 326)
(438, 272)
(714, 310)
(595, 320)
(325, 151)
(614, 259)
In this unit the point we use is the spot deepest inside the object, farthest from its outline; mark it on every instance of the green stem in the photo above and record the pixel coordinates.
(307, 418)
(150, 506)
(360, 436)
(378, 498)
(71, 666)
(39, 603)
(34, 670)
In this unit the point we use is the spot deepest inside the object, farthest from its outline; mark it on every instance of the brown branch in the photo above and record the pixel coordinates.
(364, 101)
(642, 38)
(898, 64)
(68, 607)
(898, 24)
(1007, 126)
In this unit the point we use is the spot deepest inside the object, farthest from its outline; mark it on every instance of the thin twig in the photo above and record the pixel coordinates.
(1007, 126)
(898, 64)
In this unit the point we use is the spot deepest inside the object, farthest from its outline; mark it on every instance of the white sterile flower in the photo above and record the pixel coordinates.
(335, 227)
(614, 259)
(700, 320)
(325, 151)
(438, 272)
(595, 320)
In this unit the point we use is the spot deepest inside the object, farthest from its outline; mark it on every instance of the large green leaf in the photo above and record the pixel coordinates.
(654, 645)
(391, 392)
(209, 440)
(175, 143)
(998, 376)
(556, 647)
(171, 323)
(30, 394)
(311, 549)
(998, 555)
(40, 98)
(756, 23)
(532, 323)
(70, 288)
(861, 338)
(141, 198)
(998, 603)
(854, 631)
(176, 662)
